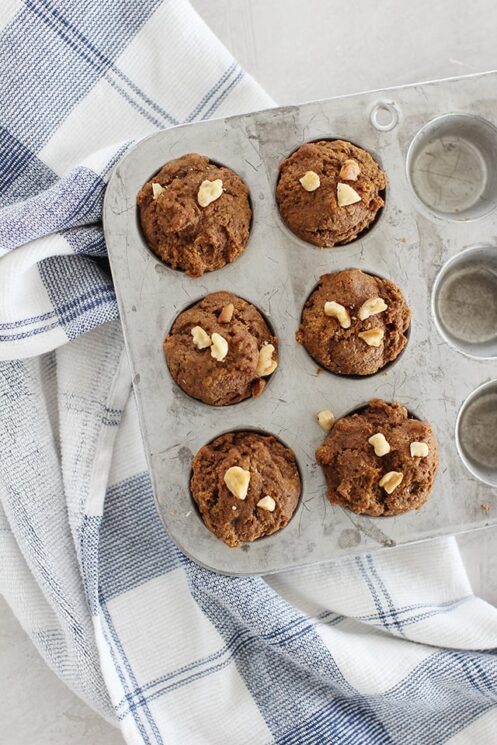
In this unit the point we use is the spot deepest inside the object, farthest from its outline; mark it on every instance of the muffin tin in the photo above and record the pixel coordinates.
(436, 239)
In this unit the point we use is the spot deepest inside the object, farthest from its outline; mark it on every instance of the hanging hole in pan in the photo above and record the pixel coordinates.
(451, 166)
(476, 433)
(384, 116)
(464, 302)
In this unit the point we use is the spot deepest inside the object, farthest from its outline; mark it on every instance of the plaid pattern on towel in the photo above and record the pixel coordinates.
(390, 648)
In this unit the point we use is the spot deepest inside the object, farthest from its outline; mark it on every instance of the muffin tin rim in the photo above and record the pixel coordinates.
(473, 396)
(436, 286)
(422, 207)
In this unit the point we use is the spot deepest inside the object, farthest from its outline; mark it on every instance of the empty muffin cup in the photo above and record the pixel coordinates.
(451, 166)
(476, 433)
(464, 302)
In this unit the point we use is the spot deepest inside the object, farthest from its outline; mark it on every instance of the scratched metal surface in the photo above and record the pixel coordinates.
(409, 244)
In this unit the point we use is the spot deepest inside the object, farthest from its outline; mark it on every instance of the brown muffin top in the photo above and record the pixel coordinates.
(273, 473)
(185, 234)
(316, 216)
(354, 471)
(239, 374)
(338, 345)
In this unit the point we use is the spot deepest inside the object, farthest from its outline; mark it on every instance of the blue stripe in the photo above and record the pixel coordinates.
(127, 666)
(91, 200)
(231, 648)
(66, 276)
(223, 95)
(86, 241)
(32, 58)
(22, 174)
(127, 560)
(33, 332)
(106, 61)
(420, 616)
(281, 631)
(243, 644)
(207, 97)
(372, 589)
(386, 594)
(298, 669)
(15, 157)
(100, 66)
(107, 632)
(61, 310)
(88, 546)
(114, 160)
(77, 197)
(103, 297)
(342, 722)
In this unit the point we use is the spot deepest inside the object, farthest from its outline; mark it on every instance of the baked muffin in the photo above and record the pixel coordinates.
(380, 461)
(195, 215)
(329, 192)
(246, 486)
(221, 350)
(354, 323)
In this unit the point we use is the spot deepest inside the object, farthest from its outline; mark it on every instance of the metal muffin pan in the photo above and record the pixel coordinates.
(437, 143)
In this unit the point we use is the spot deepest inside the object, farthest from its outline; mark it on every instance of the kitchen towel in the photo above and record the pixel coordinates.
(384, 648)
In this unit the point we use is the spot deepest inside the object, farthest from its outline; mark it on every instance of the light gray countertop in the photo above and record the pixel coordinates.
(298, 51)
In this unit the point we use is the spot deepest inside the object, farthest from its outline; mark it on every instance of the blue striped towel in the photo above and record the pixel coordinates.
(391, 648)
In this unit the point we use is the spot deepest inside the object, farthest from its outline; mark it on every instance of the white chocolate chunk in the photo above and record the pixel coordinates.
(266, 364)
(310, 181)
(391, 481)
(326, 419)
(346, 195)
(419, 449)
(237, 480)
(201, 338)
(219, 348)
(209, 191)
(335, 310)
(371, 307)
(267, 503)
(380, 444)
(350, 170)
(372, 337)
(157, 190)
